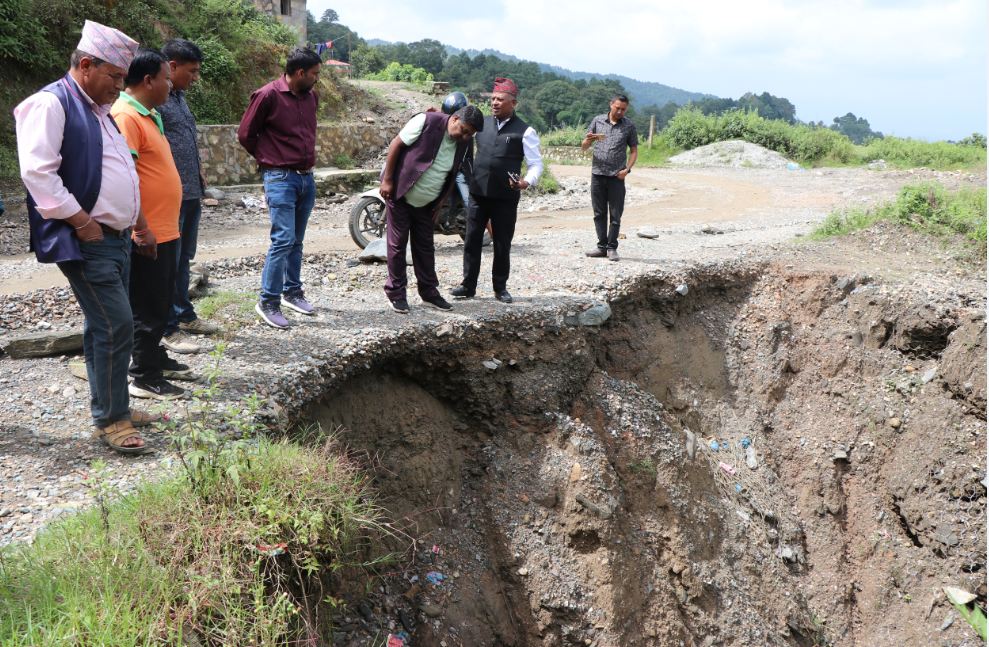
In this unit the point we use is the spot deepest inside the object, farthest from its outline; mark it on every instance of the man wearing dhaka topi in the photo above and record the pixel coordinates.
(495, 188)
(84, 211)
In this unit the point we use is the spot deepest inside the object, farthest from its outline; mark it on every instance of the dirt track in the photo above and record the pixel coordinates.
(759, 206)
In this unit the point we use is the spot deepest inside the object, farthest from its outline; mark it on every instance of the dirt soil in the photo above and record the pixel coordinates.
(790, 453)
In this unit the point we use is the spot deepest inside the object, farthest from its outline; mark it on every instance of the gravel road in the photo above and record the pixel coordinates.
(699, 216)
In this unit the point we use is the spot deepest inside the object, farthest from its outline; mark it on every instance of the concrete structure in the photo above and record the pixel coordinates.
(289, 12)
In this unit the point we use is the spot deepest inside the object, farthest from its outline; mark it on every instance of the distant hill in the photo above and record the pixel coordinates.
(642, 93)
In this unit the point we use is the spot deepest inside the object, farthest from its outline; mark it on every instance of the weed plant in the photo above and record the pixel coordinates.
(927, 207)
(242, 304)
(246, 542)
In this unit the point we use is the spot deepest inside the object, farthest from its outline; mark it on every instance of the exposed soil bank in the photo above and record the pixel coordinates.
(573, 498)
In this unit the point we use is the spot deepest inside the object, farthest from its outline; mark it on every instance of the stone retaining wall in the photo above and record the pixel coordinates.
(225, 162)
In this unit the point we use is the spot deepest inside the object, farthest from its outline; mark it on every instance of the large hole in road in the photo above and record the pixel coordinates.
(775, 458)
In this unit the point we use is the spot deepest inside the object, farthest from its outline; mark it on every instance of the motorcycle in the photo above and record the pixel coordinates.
(367, 218)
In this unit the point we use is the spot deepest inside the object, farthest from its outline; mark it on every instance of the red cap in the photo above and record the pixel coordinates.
(506, 85)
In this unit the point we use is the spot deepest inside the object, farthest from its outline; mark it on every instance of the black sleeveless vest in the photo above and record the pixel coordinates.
(498, 153)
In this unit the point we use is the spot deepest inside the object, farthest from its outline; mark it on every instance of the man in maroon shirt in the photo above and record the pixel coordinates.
(279, 130)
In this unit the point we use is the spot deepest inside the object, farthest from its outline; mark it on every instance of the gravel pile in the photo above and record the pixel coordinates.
(733, 153)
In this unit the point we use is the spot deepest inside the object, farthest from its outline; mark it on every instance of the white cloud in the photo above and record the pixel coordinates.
(794, 48)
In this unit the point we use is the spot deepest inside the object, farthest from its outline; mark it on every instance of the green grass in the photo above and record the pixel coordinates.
(660, 153)
(240, 304)
(343, 161)
(928, 207)
(910, 153)
(242, 547)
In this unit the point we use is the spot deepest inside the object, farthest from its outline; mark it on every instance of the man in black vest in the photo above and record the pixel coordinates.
(495, 188)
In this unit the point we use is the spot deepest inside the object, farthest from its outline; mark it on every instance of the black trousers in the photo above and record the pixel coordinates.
(502, 215)
(152, 285)
(607, 197)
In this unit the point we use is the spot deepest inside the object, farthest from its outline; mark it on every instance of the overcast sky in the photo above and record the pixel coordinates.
(913, 68)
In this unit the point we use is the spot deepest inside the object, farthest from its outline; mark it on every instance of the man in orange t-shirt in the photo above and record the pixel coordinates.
(152, 280)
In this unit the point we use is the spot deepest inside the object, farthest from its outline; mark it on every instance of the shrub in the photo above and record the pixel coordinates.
(822, 145)
(927, 207)
(690, 128)
(395, 71)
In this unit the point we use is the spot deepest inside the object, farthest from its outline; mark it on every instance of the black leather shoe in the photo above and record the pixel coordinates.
(503, 296)
(461, 292)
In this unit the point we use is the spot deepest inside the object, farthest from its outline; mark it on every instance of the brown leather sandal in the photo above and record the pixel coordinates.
(114, 434)
(142, 418)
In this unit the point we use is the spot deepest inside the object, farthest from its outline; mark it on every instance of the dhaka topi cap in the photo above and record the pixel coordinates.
(107, 44)
(506, 85)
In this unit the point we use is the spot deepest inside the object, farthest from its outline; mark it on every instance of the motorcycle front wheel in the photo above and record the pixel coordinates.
(367, 221)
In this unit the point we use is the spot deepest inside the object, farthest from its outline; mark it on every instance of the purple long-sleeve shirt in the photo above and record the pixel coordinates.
(279, 127)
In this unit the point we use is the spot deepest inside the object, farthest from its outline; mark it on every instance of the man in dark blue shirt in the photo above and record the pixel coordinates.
(184, 59)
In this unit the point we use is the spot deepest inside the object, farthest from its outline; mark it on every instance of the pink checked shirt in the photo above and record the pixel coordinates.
(40, 124)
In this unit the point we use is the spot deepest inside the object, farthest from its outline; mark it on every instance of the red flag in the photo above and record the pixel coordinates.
(329, 44)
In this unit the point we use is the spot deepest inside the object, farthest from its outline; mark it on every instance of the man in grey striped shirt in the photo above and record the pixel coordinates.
(185, 60)
(610, 134)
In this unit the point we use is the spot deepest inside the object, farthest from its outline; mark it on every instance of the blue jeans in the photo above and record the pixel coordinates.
(99, 282)
(182, 310)
(463, 187)
(290, 201)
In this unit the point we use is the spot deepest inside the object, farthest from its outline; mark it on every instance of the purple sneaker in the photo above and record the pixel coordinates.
(271, 315)
(298, 303)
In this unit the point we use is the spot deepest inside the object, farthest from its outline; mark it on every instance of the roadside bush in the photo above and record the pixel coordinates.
(822, 145)
(690, 128)
(927, 207)
(773, 134)
(395, 71)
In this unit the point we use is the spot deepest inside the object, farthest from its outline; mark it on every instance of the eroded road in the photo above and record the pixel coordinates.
(756, 206)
